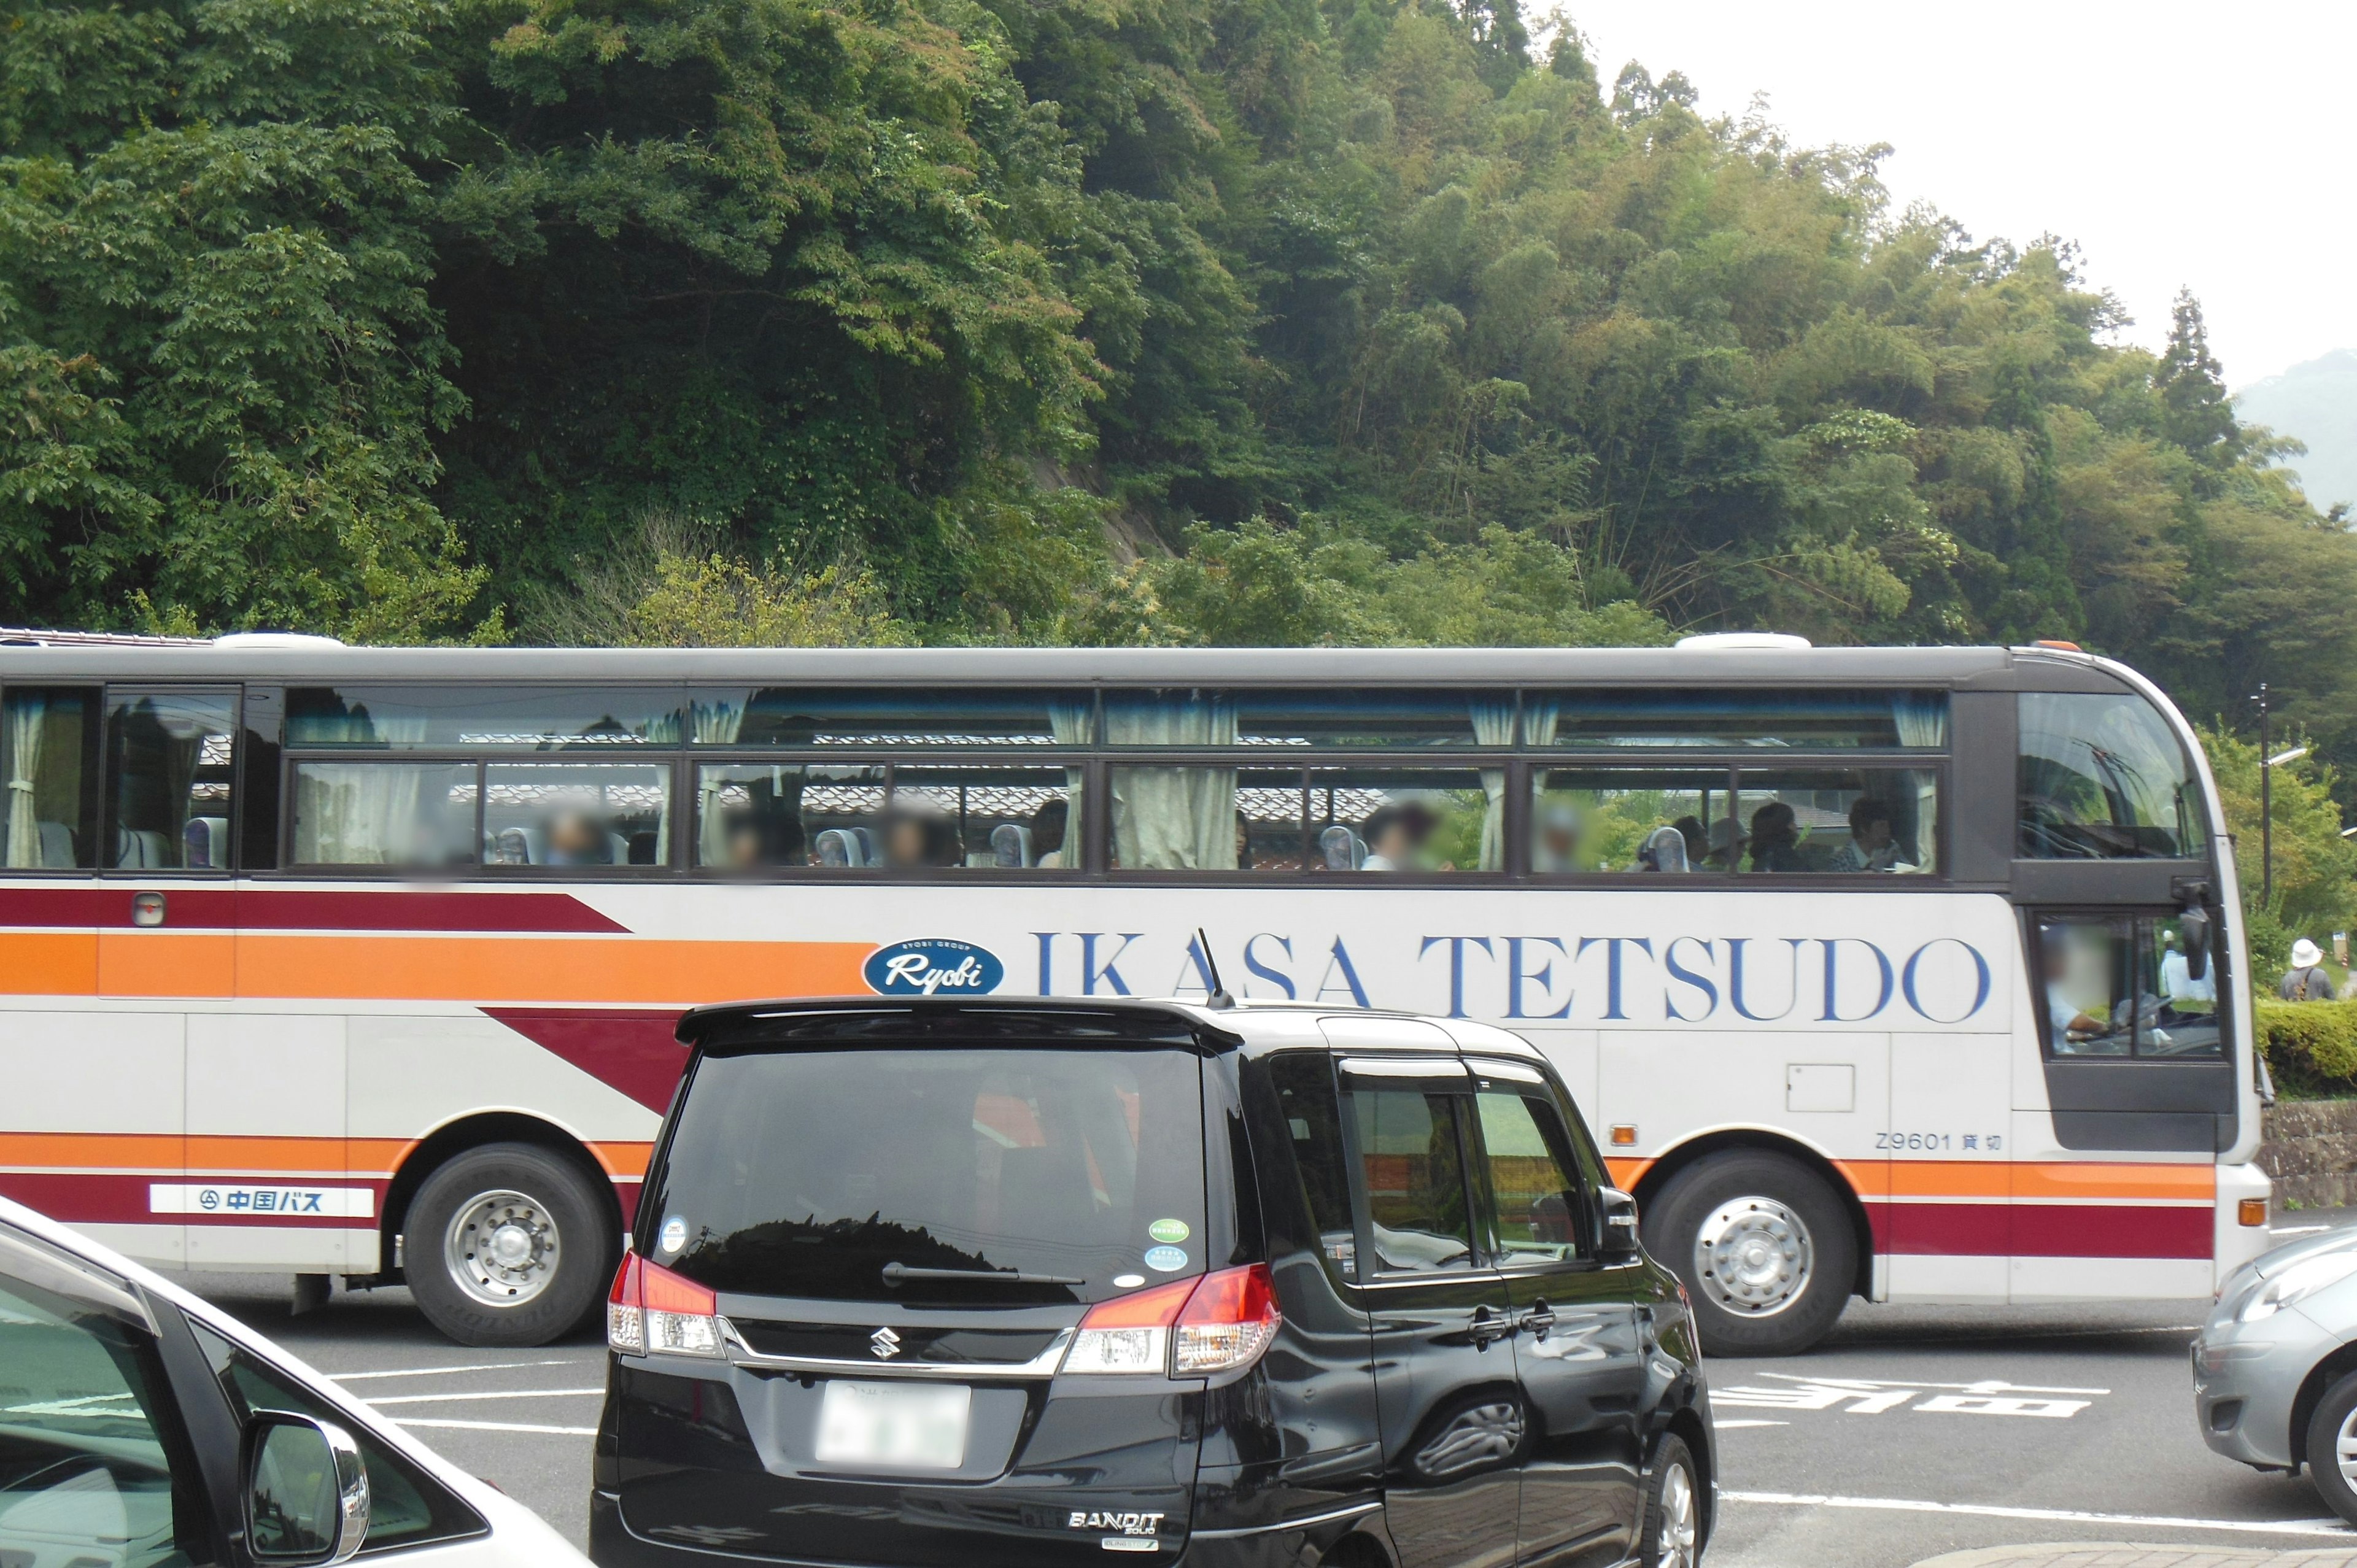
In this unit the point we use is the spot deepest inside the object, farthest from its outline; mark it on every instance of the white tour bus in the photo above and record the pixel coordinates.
(1909, 973)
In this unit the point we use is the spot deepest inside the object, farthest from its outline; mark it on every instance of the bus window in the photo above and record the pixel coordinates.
(1839, 819)
(49, 755)
(1915, 721)
(538, 718)
(1407, 819)
(1374, 720)
(1206, 819)
(871, 717)
(168, 769)
(2119, 986)
(1009, 819)
(1629, 818)
(412, 814)
(839, 807)
(2102, 779)
(576, 814)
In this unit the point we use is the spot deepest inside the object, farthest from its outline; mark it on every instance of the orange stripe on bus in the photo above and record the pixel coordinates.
(581, 971)
(49, 963)
(167, 963)
(1999, 1181)
(171, 1152)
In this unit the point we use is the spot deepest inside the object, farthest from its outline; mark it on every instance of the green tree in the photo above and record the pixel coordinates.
(2315, 867)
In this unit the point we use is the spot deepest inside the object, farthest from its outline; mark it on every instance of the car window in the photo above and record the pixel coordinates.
(406, 1508)
(1538, 1206)
(2118, 986)
(1313, 1116)
(1412, 1163)
(92, 1471)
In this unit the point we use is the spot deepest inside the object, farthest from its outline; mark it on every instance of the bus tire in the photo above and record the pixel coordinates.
(508, 1244)
(1764, 1247)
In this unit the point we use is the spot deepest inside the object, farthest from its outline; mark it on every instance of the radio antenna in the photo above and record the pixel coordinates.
(1219, 1001)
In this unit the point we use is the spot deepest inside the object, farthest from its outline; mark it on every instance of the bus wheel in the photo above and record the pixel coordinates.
(507, 1244)
(1765, 1249)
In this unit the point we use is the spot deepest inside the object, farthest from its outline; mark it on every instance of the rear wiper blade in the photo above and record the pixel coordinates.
(900, 1273)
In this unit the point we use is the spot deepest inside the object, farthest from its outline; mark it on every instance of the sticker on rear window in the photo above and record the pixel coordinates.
(1166, 1260)
(1171, 1231)
(674, 1234)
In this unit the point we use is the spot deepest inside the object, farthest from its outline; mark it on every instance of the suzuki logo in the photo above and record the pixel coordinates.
(884, 1344)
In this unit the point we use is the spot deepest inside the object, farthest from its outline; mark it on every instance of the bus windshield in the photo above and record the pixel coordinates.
(2102, 779)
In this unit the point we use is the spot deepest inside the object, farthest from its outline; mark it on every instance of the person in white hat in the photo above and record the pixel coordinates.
(2306, 979)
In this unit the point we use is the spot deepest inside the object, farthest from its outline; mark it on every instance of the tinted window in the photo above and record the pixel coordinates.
(86, 1475)
(1373, 719)
(1839, 819)
(543, 718)
(2119, 986)
(883, 717)
(1410, 1161)
(1538, 1206)
(49, 756)
(414, 814)
(2102, 777)
(1313, 1117)
(405, 1506)
(1626, 819)
(1377, 818)
(1787, 718)
(575, 814)
(169, 766)
(805, 1174)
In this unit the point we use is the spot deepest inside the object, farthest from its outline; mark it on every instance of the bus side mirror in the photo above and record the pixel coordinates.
(2193, 926)
(1619, 1213)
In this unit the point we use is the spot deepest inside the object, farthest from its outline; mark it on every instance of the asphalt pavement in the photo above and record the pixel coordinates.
(1914, 1432)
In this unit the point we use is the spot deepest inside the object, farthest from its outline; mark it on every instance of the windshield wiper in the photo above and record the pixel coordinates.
(901, 1274)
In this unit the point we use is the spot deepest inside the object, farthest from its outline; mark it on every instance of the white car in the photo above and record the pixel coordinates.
(140, 1428)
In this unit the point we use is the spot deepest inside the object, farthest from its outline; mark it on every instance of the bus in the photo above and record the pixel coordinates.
(1909, 973)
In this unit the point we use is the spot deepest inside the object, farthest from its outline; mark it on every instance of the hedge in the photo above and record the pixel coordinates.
(2310, 1046)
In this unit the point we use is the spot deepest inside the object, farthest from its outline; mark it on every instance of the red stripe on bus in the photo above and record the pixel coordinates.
(307, 910)
(630, 1049)
(2040, 1230)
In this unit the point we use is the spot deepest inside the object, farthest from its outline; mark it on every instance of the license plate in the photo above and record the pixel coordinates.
(894, 1427)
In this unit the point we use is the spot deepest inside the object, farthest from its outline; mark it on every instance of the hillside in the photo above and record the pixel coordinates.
(2315, 403)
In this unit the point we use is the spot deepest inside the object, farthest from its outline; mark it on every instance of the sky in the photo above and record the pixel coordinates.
(2209, 146)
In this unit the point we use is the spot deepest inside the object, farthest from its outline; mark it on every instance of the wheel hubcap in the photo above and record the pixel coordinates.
(502, 1248)
(1681, 1531)
(1753, 1256)
(2344, 1448)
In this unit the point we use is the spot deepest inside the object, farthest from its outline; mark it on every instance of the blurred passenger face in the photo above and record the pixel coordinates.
(904, 842)
(575, 838)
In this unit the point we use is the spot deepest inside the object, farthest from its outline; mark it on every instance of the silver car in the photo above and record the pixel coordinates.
(2274, 1371)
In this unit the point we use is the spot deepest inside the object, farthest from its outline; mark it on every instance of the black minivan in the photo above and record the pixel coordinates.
(1027, 1282)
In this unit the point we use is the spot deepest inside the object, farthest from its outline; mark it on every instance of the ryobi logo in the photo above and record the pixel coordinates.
(930, 965)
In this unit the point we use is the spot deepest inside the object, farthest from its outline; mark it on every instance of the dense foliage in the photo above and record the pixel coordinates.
(1082, 320)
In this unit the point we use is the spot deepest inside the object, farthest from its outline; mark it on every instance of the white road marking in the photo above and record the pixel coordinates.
(1730, 1426)
(487, 1394)
(2323, 1526)
(499, 1426)
(2296, 1230)
(437, 1371)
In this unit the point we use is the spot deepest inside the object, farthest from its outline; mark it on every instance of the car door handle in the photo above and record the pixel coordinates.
(1488, 1327)
(1540, 1319)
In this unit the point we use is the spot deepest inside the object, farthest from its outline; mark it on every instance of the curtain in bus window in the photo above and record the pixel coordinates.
(42, 741)
(2102, 777)
(360, 815)
(1493, 724)
(170, 769)
(1073, 722)
(1173, 819)
(717, 722)
(1922, 719)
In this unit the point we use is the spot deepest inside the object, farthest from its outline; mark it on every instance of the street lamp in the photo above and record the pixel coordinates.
(2268, 802)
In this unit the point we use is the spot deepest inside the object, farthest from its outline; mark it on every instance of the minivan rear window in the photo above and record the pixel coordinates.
(808, 1173)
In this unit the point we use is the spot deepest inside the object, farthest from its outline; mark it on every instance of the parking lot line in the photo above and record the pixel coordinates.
(498, 1426)
(2321, 1527)
(436, 1372)
(487, 1394)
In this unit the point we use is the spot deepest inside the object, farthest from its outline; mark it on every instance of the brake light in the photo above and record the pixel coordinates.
(1229, 1321)
(651, 1309)
(1216, 1323)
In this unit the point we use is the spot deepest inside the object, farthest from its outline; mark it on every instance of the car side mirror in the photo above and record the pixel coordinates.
(2193, 927)
(307, 1491)
(1619, 1211)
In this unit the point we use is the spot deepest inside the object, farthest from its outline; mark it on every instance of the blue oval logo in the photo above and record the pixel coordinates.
(934, 966)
